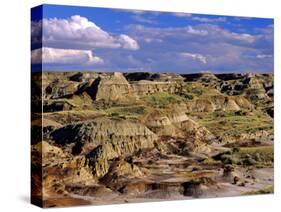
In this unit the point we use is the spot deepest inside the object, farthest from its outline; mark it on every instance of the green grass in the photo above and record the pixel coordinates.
(162, 100)
(233, 124)
(127, 111)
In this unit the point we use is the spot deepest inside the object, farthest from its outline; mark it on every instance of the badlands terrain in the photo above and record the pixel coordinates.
(105, 138)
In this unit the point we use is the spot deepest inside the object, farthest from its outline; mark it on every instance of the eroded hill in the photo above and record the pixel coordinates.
(113, 137)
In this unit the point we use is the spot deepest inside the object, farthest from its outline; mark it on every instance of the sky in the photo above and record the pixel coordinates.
(103, 39)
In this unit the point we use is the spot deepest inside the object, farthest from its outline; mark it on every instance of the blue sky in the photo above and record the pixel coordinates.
(86, 38)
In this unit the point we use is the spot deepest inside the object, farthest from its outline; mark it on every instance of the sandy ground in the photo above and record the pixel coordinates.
(255, 180)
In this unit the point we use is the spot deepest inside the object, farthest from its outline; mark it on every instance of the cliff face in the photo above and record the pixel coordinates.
(113, 88)
(176, 124)
(104, 139)
(138, 134)
(219, 102)
(145, 87)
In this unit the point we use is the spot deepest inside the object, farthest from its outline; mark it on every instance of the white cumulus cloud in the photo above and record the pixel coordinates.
(127, 42)
(78, 32)
(64, 56)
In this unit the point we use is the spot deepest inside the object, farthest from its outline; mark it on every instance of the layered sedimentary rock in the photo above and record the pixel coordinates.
(113, 88)
(175, 124)
(127, 136)
(145, 87)
(104, 139)
(219, 102)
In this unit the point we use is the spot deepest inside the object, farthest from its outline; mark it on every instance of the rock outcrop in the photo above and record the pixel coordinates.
(113, 88)
(118, 173)
(111, 137)
(104, 139)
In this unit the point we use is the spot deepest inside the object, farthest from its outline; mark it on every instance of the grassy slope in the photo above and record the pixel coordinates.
(234, 124)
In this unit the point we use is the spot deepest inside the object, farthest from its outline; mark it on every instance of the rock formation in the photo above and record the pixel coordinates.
(139, 136)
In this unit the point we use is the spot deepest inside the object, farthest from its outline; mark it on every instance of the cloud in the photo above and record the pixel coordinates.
(64, 56)
(242, 18)
(145, 16)
(194, 31)
(262, 56)
(201, 47)
(135, 11)
(149, 40)
(198, 57)
(167, 48)
(142, 12)
(240, 37)
(78, 32)
(36, 32)
(179, 14)
(143, 19)
(209, 20)
(202, 33)
(36, 56)
(128, 43)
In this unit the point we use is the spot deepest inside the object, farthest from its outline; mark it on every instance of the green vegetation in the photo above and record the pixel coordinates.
(80, 100)
(195, 89)
(266, 190)
(127, 111)
(162, 100)
(74, 101)
(223, 123)
(261, 156)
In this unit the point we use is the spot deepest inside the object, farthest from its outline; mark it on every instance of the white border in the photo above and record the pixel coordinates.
(15, 99)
